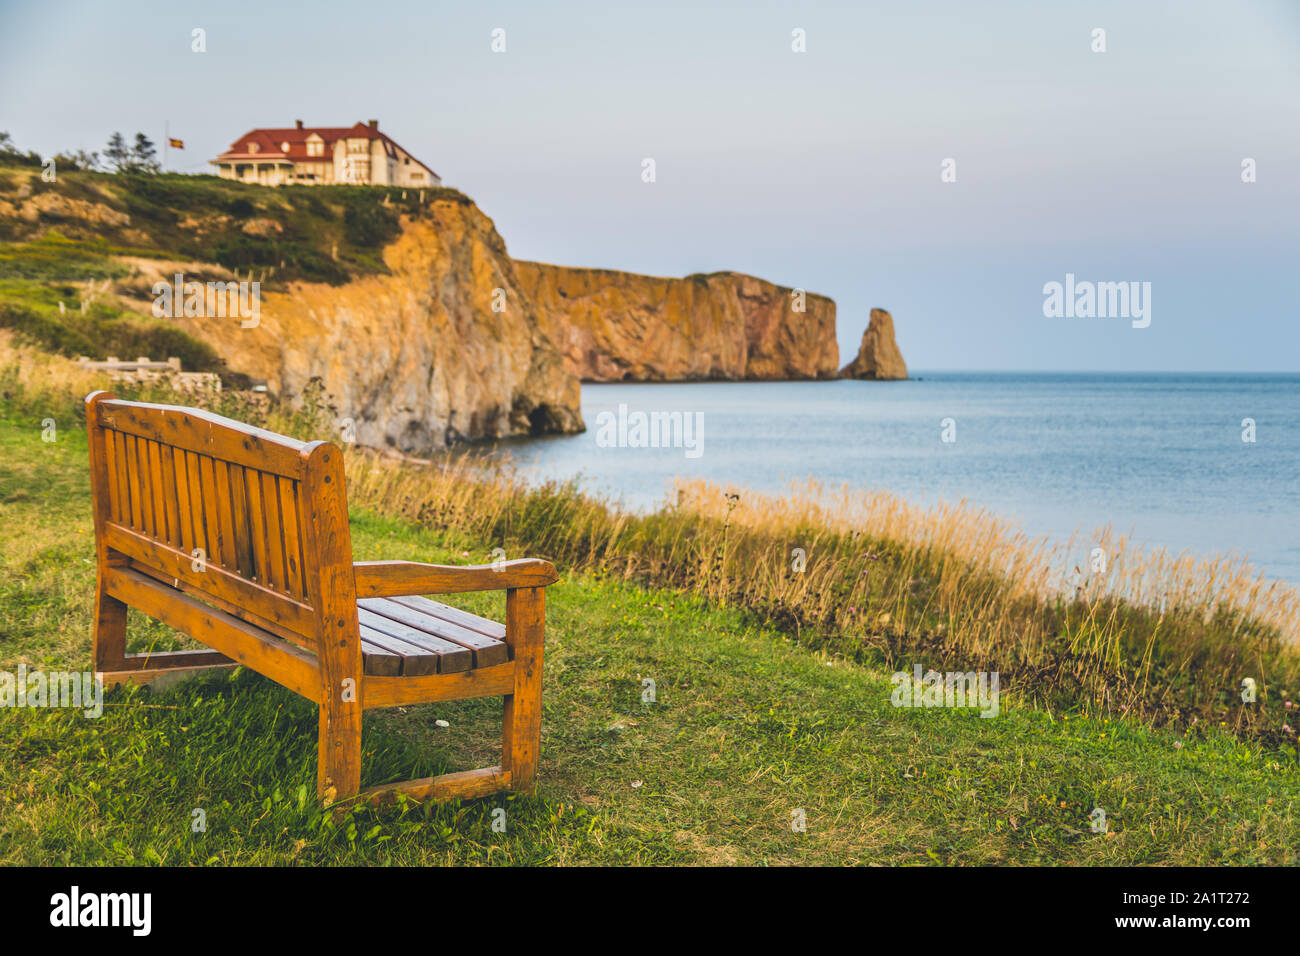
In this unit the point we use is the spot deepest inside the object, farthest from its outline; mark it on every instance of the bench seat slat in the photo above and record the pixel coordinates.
(376, 659)
(455, 615)
(486, 650)
(410, 661)
(451, 657)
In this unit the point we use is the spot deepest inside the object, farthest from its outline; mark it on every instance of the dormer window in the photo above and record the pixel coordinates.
(253, 147)
(284, 147)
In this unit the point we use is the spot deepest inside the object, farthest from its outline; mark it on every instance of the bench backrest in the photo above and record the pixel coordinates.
(241, 517)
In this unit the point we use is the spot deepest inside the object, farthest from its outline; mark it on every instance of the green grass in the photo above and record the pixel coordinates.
(747, 728)
(321, 233)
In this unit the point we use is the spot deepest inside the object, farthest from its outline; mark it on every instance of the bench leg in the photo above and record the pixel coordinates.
(522, 737)
(108, 643)
(338, 773)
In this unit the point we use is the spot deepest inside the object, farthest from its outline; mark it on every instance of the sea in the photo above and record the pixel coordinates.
(1208, 463)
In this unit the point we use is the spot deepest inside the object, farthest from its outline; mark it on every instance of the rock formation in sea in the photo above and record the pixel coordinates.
(878, 357)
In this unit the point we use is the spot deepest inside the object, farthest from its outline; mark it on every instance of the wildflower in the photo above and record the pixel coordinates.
(1178, 745)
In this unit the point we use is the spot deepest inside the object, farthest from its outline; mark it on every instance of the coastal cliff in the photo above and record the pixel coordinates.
(878, 356)
(418, 357)
(619, 326)
(404, 305)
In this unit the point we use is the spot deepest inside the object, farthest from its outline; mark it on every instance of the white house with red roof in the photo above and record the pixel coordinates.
(305, 155)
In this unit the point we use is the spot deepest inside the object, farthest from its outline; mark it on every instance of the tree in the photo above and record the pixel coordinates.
(77, 160)
(10, 154)
(143, 155)
(116, 153)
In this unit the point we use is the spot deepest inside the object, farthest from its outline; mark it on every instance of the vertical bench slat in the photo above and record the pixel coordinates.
(154, 478)
(258, 524)
(142, 483)
(114, 484)
(287, 489)
(123, 484)
(156, 490)
(196, 499)
(185, 517)
(274, 531)
(239, 515)
(132, 481)
(303, 510)
(226, 511)
(171, 496)
(221, 548)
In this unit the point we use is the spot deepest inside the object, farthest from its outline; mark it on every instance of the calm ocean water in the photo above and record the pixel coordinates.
(1159, 454)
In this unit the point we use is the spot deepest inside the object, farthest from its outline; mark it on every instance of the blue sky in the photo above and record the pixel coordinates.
(818, 169)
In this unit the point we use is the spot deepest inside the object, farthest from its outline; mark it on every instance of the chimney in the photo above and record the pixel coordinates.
(374, 124)
(297, 124)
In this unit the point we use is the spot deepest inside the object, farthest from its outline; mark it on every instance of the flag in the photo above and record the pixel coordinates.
(176, 143)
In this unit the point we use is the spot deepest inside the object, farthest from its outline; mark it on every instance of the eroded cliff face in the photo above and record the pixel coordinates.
(618, 326)
(878, 356)
(418, 359)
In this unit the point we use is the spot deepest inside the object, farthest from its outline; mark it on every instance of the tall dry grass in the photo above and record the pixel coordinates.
(1165, 637)
(1109, 567)
(38, 382)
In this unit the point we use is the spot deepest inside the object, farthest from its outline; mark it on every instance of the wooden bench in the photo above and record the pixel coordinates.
(238, 537)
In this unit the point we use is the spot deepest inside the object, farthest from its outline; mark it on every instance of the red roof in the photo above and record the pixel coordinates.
(270, 142)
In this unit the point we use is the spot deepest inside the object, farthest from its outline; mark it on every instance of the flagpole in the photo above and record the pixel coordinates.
(166, 142)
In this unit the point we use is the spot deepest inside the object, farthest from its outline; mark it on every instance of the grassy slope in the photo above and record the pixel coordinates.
(746, 729)
(316, 234)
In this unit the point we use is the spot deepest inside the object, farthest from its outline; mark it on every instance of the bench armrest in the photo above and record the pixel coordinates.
(394, 578)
